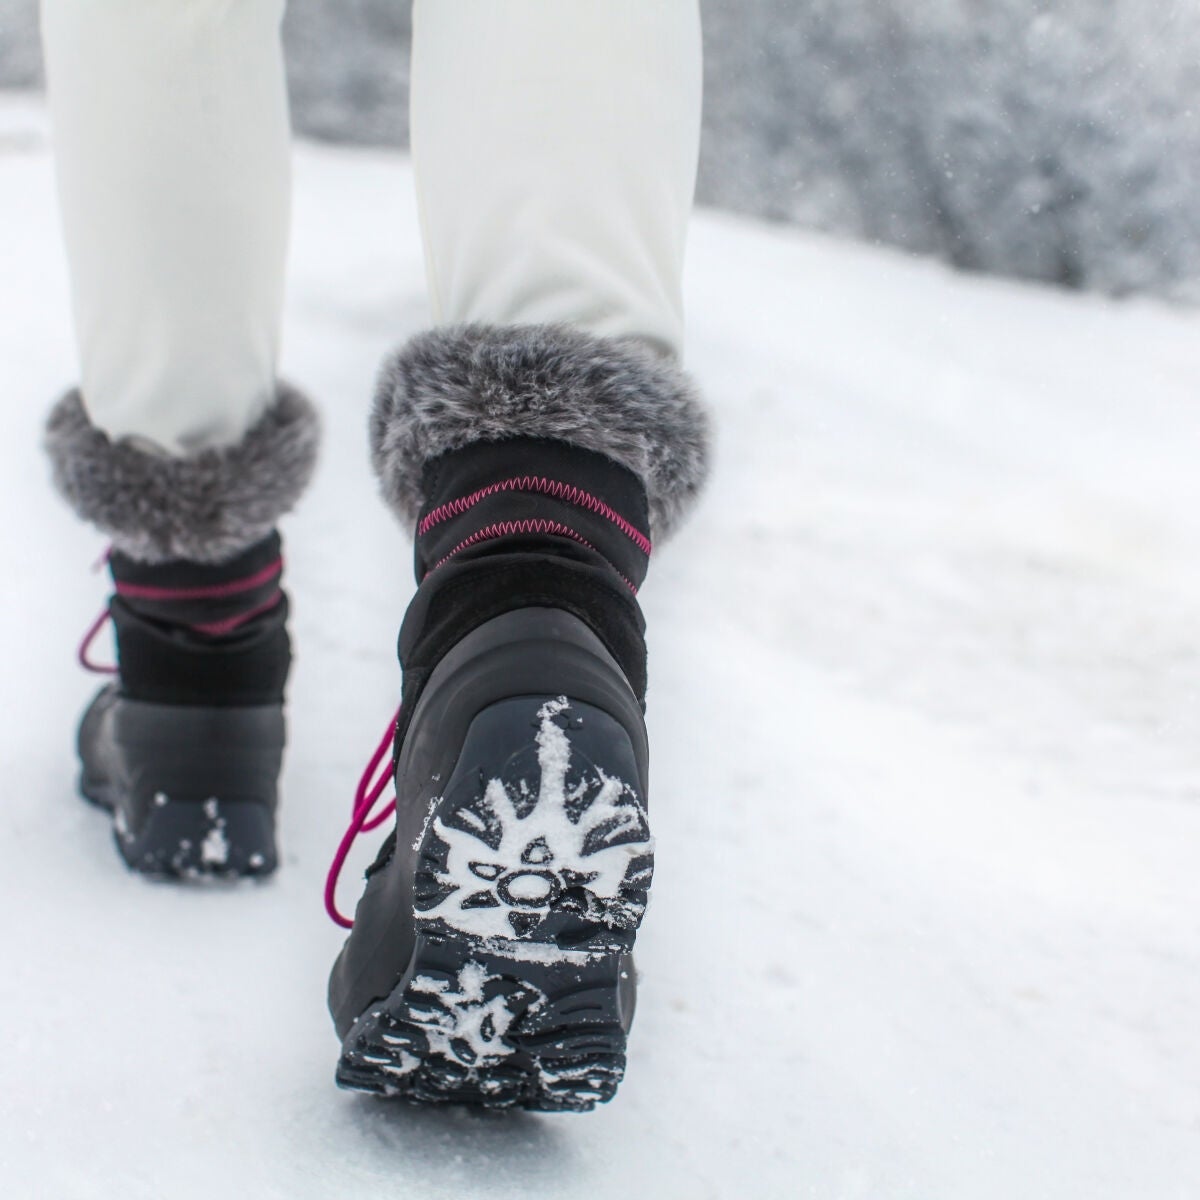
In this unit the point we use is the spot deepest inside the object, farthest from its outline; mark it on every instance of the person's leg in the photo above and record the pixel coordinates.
(536, 440)
(171, 146)
(555, 150)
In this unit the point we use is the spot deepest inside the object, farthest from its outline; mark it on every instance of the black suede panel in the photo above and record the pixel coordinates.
(463, 595)
(168, 664)
(171, 648)
(597, 498)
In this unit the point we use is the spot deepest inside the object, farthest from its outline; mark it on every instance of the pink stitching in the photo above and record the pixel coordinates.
(510, 528)
(546, 487)
(229, 624)
(213, 591)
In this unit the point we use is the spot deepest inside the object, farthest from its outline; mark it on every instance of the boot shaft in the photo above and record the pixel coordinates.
(209, 634)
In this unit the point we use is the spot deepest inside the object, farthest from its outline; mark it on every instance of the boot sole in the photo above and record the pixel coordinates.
(191, 791)
(531, 883)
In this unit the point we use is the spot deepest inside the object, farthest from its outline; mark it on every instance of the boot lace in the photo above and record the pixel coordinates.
(374, 780)
(84, 653)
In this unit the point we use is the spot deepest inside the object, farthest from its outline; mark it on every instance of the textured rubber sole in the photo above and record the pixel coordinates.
(478, 1027)
(191, 791)
(532, 878)
(192, 840)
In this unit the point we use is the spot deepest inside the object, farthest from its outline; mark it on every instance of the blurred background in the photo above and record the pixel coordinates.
(926, 664)
(1007, 136)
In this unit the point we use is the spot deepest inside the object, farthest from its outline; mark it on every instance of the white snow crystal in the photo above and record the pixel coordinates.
(464, 1016)
(214, 850)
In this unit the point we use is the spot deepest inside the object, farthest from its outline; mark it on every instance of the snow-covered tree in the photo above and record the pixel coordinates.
(1052, 139)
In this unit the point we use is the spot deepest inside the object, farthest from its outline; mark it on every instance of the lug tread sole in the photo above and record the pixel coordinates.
(472, 1025)
(532, 877)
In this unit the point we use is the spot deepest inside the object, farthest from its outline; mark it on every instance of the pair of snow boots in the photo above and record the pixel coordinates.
(489, 958)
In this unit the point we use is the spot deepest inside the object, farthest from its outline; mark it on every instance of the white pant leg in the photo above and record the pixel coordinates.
(171, 140)
(555, 145)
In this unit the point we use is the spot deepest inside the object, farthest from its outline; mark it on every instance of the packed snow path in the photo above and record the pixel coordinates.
(926, 736)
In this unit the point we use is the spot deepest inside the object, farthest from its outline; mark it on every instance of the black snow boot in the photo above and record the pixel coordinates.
(490, 957)
(184, 746)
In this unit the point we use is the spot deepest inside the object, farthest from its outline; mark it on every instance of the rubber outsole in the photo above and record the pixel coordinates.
(532, 876)
(191, 791)
(192, 840)
(474, 1026)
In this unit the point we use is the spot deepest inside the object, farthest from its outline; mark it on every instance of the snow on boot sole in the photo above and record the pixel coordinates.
(533, 869)
(192, 791)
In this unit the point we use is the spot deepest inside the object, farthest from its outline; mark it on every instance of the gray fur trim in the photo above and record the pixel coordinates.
(449, 387)
(204, 507)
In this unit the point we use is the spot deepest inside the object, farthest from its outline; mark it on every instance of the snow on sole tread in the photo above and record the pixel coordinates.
(528, 896)
(470, 1026)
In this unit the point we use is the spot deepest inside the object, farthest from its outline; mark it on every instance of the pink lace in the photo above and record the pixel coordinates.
(85, 647)
(370, 787)
(83, 654)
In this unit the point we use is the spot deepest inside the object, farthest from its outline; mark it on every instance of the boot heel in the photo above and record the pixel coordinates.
(192, 790)
(190, 839)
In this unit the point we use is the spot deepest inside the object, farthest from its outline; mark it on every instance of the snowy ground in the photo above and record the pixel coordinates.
(927, 762)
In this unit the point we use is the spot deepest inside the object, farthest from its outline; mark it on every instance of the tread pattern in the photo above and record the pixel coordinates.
(489, 1034)
(530, 885)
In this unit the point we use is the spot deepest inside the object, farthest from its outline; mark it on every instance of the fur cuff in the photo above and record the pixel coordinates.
(449, 387)
(203, 507)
